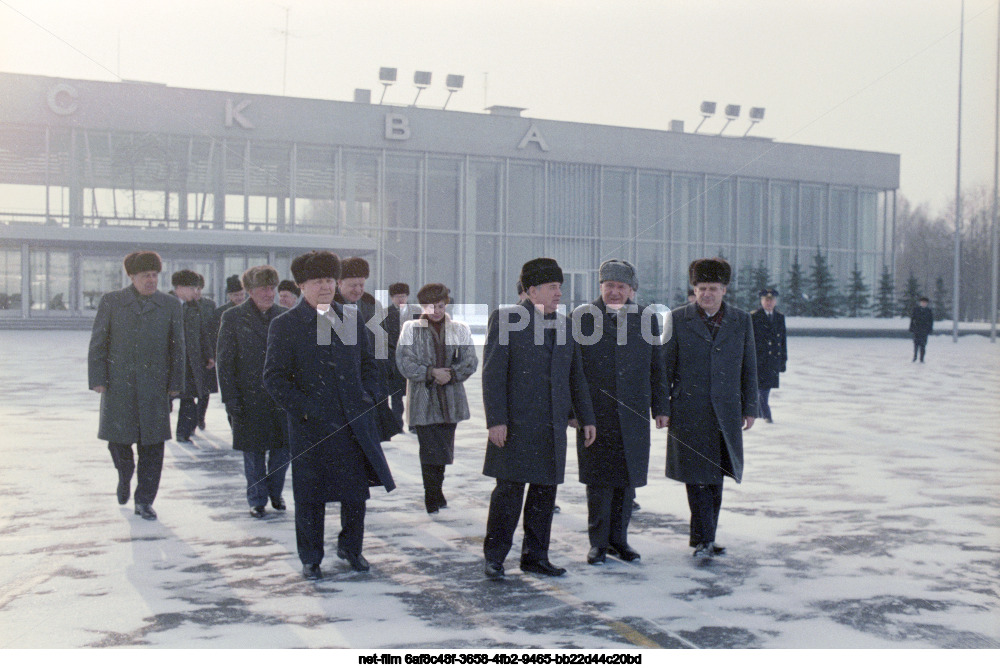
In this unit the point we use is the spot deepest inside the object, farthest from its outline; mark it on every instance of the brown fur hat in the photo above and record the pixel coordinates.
(259, 277)
(184, 278)
(316, 264)
(354, 267)
(140, 261)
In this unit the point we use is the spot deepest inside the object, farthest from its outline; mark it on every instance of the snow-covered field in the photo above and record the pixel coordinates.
(869, 517)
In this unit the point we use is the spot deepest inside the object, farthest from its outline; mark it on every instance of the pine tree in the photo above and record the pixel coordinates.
(824, 301)
(857, 295)
(744, 288)
(885, 300)
(795, 301)
(911, 294)
(940, 305)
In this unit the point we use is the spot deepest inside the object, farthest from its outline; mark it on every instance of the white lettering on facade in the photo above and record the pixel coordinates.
(534, 135)
(62, 99)
(397, 126)
(234, 115)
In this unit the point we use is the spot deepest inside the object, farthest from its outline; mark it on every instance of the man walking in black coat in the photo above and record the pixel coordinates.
(532, 379)
(396, 315)
(199, 352)
(208, 308)
(136, 363)
(712, 374)
(323, 374)
(260, 429)
(772, 351)
(623, 364)
(921, 325)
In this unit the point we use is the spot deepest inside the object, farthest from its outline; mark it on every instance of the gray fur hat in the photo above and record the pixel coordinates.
(621, 271)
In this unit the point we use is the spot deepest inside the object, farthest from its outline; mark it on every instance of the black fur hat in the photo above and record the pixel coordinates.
(140, 261)
(233, 284)
(710, 270)
(289, 286)
(399, 289)
(184, 278)
(354, 267)
(316, 264)
(539, 271)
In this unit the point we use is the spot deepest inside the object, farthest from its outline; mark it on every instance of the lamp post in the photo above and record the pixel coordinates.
(453, 83)
(421, 80)
(387, 76)
(756, 116)
(958, 190)
(732, 113)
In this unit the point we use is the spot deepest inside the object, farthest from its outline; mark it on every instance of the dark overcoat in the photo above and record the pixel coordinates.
(921, 323)
(208, 312)
(769, 341)
(533, 390)
(329, 393)
(395, 318)
(137, 354)
(258, 422)
(199, 349)
(628, 385)
(371, 311)
(713, 385)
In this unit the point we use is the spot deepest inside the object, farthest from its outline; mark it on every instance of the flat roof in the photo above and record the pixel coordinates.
(140, 107)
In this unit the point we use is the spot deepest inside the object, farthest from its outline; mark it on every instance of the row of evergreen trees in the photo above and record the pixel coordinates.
(815, 293)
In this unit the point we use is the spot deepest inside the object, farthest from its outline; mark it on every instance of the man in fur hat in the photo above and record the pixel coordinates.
(260, 429)
(713, 393)
(532, 380)
(199, 345)
(627, 382)
(328, 389)
(288, 294)
(208, 307)
(354, 272)
(136, 363)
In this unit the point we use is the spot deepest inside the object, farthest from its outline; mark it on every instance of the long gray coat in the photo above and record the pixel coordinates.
(627, 385)
(533, 391)
(713, 385)
(415, 357)
(199, 348)
(137, 353)
(258, 422)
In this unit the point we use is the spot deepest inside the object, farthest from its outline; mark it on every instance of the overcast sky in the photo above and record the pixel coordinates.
(878, 75)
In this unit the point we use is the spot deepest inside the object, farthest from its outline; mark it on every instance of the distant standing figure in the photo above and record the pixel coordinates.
(436, 356)
(772, 351)
(712, 372)
(199, 351)
(921, 325)
(396, 316)
(288, 294)
(260, 428)
(208, 308)
(136, 363)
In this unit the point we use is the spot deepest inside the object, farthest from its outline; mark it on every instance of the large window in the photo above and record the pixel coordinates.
(525, 206)
(402, 192)
(616, 199)
(811, 228)
(50, 280)
(751, 211)
(99, 275)
(719, 231)
(10, 279)
(444, 193)
(483, 197)
(360, 190)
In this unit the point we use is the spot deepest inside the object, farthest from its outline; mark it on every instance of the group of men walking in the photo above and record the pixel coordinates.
(311, 385)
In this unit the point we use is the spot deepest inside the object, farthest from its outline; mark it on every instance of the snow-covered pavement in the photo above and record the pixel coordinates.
(869, 517)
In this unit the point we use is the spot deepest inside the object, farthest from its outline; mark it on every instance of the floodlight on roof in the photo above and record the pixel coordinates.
(453, 83)
(732, 113)
(421, 80)
(707, 111)
(756, 116)
(387, 75)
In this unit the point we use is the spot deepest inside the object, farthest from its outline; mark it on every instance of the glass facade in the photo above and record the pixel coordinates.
(467, 221)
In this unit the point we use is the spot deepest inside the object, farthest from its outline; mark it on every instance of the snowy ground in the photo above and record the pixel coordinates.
(868, 517)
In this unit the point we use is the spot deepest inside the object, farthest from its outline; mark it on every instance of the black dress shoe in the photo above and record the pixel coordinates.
(635, 505)
(357, 562)
(312, 572)
(623, 552)
(718, 549)
(493, 570)
(556, 509)
(124, 489)
(597, 555)
(201, 425)
(542, 567)
(258, 512)
(145, 511)
(704, 550)
(278, 504)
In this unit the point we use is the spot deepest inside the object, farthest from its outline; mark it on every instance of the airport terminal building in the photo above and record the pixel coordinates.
(219, 181)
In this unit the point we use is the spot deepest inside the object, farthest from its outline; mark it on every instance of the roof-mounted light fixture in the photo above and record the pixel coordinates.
(453, 83)
(756, 116)
(421, 80)
(387, 75)
(707, 111)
